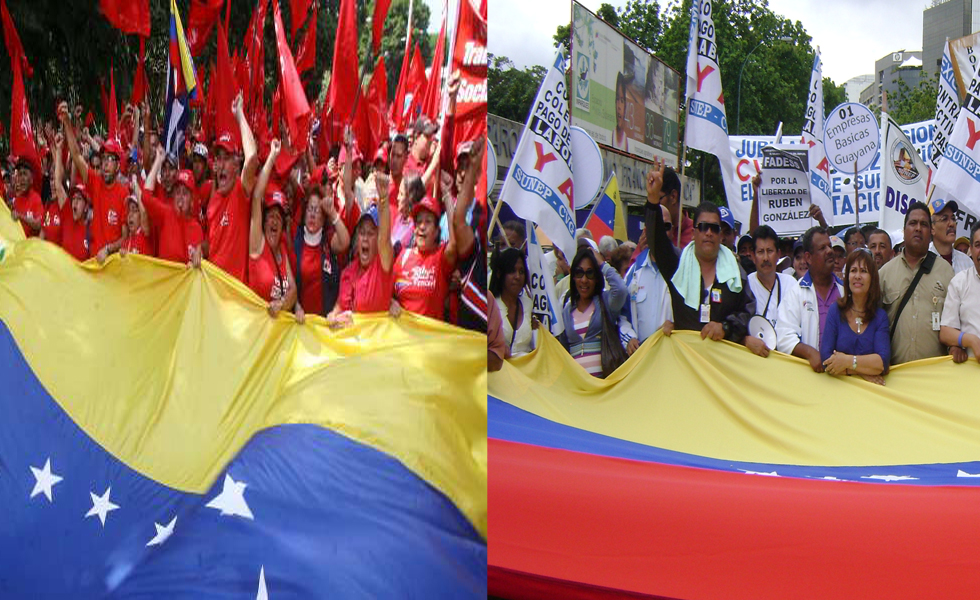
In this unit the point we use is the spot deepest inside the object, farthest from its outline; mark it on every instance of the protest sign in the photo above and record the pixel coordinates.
(539, 184)
(541, 281)
(947, 107)
(469, 57)
(903, 176)
(812, 137)
(959, 172)
(850, 137)
(963, 55)
(784, 196)
(587, 175)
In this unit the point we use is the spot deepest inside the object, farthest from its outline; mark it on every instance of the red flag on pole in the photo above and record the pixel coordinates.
(295, 105)
(202, 16)
(14, 48)
(376, 104)
(139, 79)
(306, 55)
(128, 16)
(297, 13)
(470, 58)
(254, 48)
(343, 77)
(432, 102)
(21, 131)
(398, 108)
(224, 90)
(380, 14)
(113, 114)
(416, 83)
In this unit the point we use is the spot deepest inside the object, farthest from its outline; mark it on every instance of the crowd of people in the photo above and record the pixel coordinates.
(853, 305)
(328, 235)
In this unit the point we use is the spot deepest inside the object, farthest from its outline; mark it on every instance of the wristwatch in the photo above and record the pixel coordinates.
(854, 363)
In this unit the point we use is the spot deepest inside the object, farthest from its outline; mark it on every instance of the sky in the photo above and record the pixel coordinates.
(851, 35)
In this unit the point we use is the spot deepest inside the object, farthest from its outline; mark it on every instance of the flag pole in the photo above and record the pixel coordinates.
(599, 199)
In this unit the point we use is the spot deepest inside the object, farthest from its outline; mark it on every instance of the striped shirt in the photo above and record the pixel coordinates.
(587, 354)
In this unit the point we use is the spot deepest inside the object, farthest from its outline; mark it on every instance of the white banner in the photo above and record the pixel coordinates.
(947, 107)
(784, 196)
(959, 172)
(707, 126)
(538, 186)
(903, 176)
(851, 137)
(963, 55)
(544, 303)
(813, 137)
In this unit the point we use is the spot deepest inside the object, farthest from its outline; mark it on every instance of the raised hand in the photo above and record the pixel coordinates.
(275, 147)
(655, 180)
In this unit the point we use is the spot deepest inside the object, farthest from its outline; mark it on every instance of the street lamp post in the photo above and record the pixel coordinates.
(738, 109)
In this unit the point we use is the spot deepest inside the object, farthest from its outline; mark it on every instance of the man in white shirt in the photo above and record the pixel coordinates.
(802, 314)
(649, 306)
(944, 233)
(960, 325)
(768, 286)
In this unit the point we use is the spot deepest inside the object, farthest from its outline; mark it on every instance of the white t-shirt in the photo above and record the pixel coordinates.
(766, 301)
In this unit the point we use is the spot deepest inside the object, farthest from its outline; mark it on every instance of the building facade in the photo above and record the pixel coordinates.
(946, 19)
(900, 66)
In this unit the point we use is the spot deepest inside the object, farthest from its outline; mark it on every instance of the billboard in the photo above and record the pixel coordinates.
(620, 94)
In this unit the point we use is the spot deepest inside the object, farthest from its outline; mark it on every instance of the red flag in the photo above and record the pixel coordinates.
(14, 48)
(306, 56)
(380, 14)
(224, 91)
(295, 107)
(104, 98)
(201, 18)
(297, 13)
(432, 101)
(89, 119)
(470, 58)
(255, 56)
(139, 79)
(113, 114)
(21, 131)
(343, 77)
(128, 16)
(398, 108)
(376, 106)
(416, 83)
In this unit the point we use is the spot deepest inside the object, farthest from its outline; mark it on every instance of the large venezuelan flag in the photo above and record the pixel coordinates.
(162, 437)
(699, 470)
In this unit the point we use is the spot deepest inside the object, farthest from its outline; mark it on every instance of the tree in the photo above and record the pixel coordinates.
(914, 104)
(833, 95)
(511, 91)
(562, 35)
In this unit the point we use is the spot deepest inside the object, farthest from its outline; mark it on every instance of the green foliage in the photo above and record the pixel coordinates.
(641, 21)
(912, 105)
(511, 91)
(833, 95)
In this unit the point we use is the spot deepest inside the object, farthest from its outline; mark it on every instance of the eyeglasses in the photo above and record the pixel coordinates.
(706, 227)
(579, 273)
(944, 218)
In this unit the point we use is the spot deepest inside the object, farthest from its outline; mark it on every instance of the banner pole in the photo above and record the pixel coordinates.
(857, 212)
(495, 220)
(680, 200)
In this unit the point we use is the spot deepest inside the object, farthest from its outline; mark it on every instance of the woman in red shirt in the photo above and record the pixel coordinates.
(422, 272)
(269, 272)
(316, 251)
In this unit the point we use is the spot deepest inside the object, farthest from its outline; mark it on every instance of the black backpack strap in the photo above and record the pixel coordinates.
(926, 267)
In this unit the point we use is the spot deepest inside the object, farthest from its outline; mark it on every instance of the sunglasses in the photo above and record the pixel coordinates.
(579, 273)
(706, 227)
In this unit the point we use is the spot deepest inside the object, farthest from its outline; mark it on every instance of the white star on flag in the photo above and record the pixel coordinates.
(162, 533)
(962, 473)
(890, 477)
(101, 505)
(263, 593)
(44, 480)
(231, 500)
(773, 474)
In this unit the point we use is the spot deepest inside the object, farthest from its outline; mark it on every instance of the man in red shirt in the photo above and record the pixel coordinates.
(199, 165)
(418, 160)
(75, 229)
(229, 208)
(108, 226)
(28, 208)
(180, 234)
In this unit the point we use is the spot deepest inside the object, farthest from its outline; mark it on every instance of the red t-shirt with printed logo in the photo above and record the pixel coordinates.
(366, 290)
(74, 235)
(422, 281)
(29, 205)
(267, 277)
(137, 243)
(228, 221)
(108, 210)
(52, 223)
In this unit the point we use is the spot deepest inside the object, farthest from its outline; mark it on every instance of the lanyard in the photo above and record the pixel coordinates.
(779, 295)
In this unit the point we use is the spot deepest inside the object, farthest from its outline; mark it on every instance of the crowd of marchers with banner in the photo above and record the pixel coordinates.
(242, 332)
(843, 271)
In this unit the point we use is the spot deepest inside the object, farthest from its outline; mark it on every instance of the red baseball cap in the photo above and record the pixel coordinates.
(426, 203)
(112, 146)
(275, 198)
(185, 177)
(226, 141)
(79, 188)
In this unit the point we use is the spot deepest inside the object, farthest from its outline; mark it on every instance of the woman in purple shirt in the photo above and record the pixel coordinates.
(855, 339)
